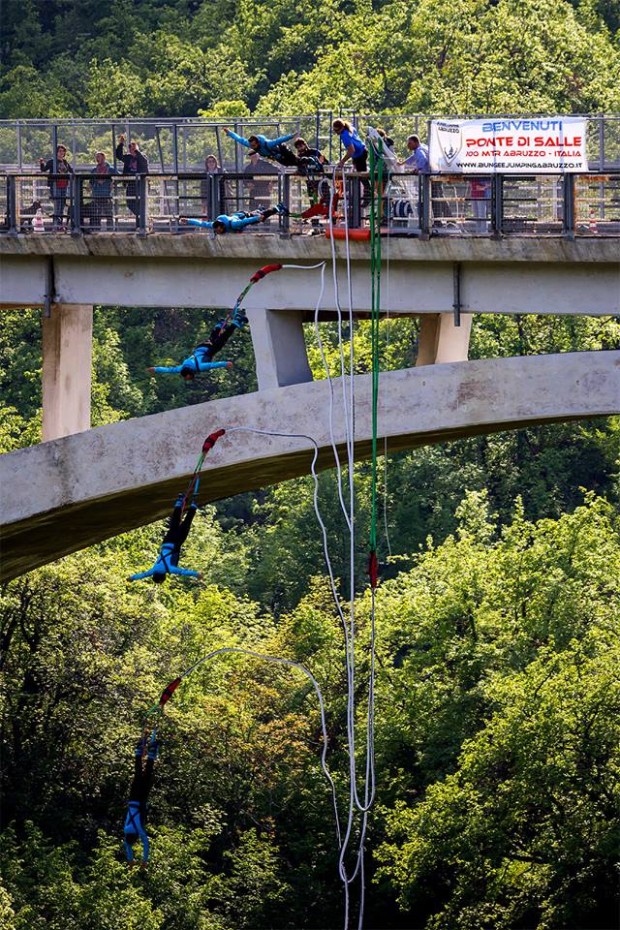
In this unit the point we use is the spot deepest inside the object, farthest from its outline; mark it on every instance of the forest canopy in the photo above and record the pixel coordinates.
(153, 58)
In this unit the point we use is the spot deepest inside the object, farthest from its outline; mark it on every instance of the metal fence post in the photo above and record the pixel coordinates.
(497, 205)
(175, 147)
(354, 194)
(76, 205)
(285, 222)
(568, 212)
(142, 186)
(11, 205)
(218, 193)
(424, 205)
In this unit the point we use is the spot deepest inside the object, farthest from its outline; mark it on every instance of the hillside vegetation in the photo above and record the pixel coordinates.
(498, 698)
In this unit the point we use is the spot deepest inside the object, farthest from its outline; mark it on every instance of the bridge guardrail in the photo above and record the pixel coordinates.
(180, 144)
(419, 205)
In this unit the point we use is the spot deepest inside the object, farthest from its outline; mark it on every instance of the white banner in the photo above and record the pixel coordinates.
(532, 145)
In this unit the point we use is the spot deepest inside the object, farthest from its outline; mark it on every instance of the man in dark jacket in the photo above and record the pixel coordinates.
(134, 163)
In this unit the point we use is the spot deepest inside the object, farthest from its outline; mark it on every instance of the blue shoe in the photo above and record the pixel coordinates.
(239, 318)
(281, 209)
(153, 750)
(140, 747)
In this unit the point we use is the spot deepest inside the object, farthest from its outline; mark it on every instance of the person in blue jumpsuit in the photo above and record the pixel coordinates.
(201, 358)
(234, 222)
(170, 551)
(134, 829)
(276, 149)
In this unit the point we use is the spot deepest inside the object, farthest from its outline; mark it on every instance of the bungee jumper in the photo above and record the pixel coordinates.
(170, 551)
(134, 829)
(179, 525)
(276, 149)
(234, 222)
(201, 359)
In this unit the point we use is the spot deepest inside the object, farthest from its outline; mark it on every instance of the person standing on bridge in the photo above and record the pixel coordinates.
(202, 357)
(101, 197)
(170, 551)
(355, 150)
(59, 170)
(134, 163)
(417, 161)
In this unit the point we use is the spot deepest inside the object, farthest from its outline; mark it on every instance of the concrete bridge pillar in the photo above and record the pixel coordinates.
(67, 358)
(279, 347)
(441, 340)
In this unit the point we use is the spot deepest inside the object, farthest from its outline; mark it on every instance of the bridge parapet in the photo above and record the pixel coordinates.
(566, 205)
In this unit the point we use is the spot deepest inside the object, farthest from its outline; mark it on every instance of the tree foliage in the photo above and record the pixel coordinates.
(177, 57)
(497, 693)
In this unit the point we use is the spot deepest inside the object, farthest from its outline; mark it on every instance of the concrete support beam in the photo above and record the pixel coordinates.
(279, 348)
(441, 340)
(525, 276)
(67, 358)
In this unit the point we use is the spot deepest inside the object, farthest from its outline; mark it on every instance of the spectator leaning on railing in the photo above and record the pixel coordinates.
(419, 163)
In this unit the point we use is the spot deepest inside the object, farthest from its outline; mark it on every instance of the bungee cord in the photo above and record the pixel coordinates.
(358, 803)
(171, 688)
(349, 408)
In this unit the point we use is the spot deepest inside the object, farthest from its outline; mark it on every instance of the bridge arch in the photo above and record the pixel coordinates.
(62, 496)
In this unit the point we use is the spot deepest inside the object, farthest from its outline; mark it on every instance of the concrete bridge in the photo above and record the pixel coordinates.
(60, 496)
(443, 280)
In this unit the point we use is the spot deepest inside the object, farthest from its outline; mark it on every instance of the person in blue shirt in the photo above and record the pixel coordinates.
(418, 160)
(354, 149)
(275, 149)
(134, 829)
(234, 222)
(202, 357)
(419, 163)
(170, 551)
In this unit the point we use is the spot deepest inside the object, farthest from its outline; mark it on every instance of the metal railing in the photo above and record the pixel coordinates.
(181, 144)
(412, 205)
